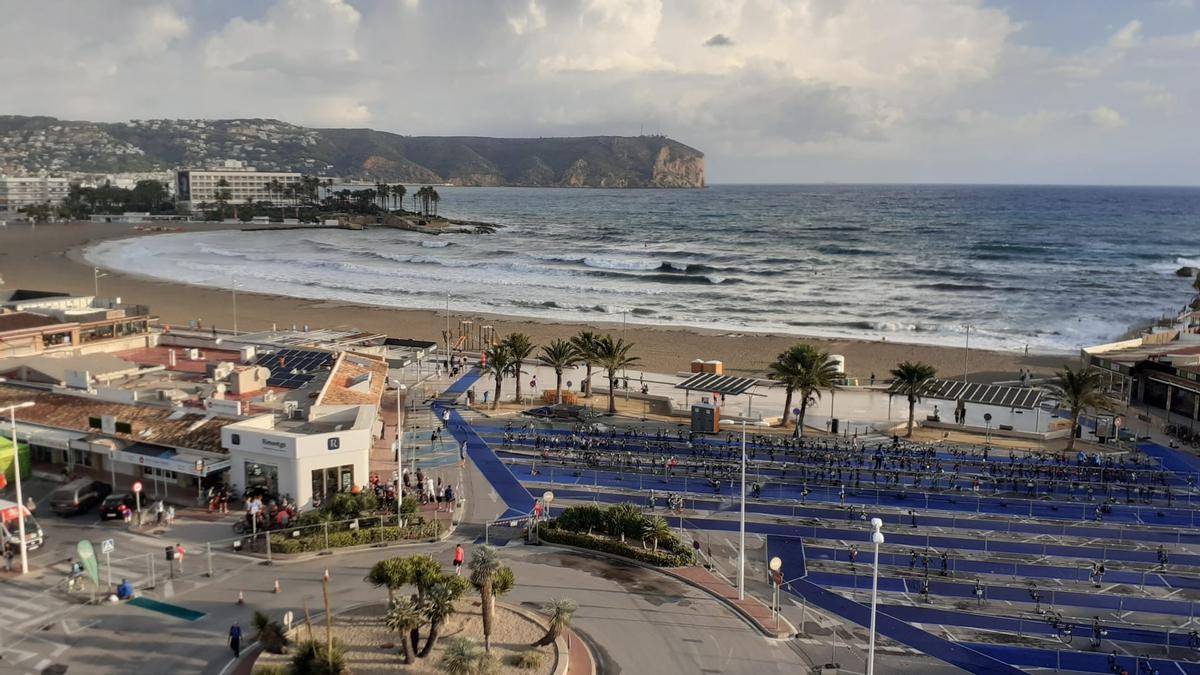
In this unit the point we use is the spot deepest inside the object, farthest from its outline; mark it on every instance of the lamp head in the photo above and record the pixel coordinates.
(775, 564)
(876, 523)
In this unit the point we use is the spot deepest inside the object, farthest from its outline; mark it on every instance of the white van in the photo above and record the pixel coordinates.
(9, 528)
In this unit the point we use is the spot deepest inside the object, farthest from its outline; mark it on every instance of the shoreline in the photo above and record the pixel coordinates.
(50, 257)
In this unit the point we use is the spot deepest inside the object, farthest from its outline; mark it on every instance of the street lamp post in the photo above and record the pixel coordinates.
(12, 410)
(96, 274)
(400, 389)
(966, 349)
(741, 569)
(877, 539)
(233, 290)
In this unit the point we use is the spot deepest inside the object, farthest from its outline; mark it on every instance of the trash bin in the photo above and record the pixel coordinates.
(170, 551)
(833, 425)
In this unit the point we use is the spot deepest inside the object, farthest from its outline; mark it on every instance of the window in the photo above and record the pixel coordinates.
(331, 480)
(235, 439)
(261, 478)
(94, 422)
(123, 428)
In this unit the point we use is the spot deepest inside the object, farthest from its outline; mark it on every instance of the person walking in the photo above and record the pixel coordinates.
(235, 639)
(853, 555)
(179, 557)
(8, 557)
(159, 511)
(459, 554)
(462, 454)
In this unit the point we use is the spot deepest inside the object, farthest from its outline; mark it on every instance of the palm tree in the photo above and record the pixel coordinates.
(585, 347)
(1078, 391)
(438, 605)
(398, 196)
(561, 610)
(907, 379)
(520, 346)
(803, 369)
(404, 616)
(613, 355)
(392, 573)
(434, 198)
(381, 195)
(559, 355)
(656, 528)
(498, 364)
(222, 196)
(485, 566)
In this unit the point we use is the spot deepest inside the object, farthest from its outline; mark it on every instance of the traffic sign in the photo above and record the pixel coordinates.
(795, 411)
(137, 486)
(108, 546)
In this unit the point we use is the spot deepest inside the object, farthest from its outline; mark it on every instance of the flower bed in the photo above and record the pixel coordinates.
(659, 558)
(314, 539)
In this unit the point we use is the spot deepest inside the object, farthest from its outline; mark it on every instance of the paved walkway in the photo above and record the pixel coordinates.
(752, 609)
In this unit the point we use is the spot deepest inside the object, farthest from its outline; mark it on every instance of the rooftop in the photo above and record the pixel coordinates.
(356, 380)
(170, 427)
(15, 321)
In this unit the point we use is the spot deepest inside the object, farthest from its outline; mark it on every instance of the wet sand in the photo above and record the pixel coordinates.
(49, 257)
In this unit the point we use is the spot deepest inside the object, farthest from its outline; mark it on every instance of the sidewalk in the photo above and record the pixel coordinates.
(752, 609)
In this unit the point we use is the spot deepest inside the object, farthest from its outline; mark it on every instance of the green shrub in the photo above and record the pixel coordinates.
(314, 539)
(312, 659)
(583, 518)
(659, 558)
(270, 633)
(527, 660)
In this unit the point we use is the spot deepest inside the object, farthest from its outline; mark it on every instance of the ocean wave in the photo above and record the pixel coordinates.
(606, 263)
(435, 243)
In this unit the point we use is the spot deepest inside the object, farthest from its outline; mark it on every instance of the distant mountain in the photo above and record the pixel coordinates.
(40, 144)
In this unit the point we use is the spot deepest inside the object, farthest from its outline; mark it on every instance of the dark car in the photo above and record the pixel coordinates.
(110, 507)
(78, 496)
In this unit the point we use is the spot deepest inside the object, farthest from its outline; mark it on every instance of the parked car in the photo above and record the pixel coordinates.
(109, 508)
(78, 496)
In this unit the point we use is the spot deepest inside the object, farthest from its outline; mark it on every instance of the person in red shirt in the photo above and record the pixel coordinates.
(458, 559)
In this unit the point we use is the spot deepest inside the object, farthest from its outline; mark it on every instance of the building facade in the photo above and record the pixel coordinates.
(18, 192)
(194, 187)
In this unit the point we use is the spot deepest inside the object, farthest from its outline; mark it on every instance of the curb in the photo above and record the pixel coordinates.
(285, 558)
(742, 614)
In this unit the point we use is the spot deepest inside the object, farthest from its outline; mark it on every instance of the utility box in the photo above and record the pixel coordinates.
(706, 418)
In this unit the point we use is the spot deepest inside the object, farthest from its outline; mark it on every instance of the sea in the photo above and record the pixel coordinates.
(1048, 268)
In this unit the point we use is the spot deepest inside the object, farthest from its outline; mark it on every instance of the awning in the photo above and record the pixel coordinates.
(153, 456)
(35, 435)
(725, 385)
(1001, 396)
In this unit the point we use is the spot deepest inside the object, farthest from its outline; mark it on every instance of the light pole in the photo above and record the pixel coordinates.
(96, 274)
(741, 569)
(877, 539)
(966, 349)
(400, 389)
(12, 410)
(233, 290)
(776, 566)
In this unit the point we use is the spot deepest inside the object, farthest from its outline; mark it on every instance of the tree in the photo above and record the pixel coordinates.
(559, 355)
(149, 195)
(222, 196)
(655, 528)
(499, 363)
(404, 616)
(585, 346)
(803, 369)
(398, 192)
(560, 611)
(434, 198)
(438, 605)
(613, 355)
(519, 346)
(463, 656)
(907, 379)
(490, 578)
(270, 634)
(392, 573)
(382, 191)
(1080, 390)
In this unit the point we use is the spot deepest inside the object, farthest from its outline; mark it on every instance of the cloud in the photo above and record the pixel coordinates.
(1129, 36)
(718, 40)
(1105, 117)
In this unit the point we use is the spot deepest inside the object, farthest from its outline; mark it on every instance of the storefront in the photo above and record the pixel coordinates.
(301, 459)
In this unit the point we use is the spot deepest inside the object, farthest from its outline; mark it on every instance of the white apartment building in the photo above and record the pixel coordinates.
(18, 192)
(246, 184)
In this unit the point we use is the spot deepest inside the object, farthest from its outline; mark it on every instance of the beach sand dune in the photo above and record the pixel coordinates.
(49, 257)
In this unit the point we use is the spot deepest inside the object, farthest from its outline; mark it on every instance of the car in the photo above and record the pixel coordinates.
(78, 496)
(110, 507)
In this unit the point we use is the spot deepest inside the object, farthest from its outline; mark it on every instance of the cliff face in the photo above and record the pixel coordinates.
(48, 144)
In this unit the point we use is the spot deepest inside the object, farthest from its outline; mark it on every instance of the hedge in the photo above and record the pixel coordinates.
(283, 543)
(615, 521)
(659, 558)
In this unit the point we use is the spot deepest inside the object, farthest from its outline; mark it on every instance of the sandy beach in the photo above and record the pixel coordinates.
(49, 257)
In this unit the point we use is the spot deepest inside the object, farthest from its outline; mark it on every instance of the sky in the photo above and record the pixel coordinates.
(780, 91)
